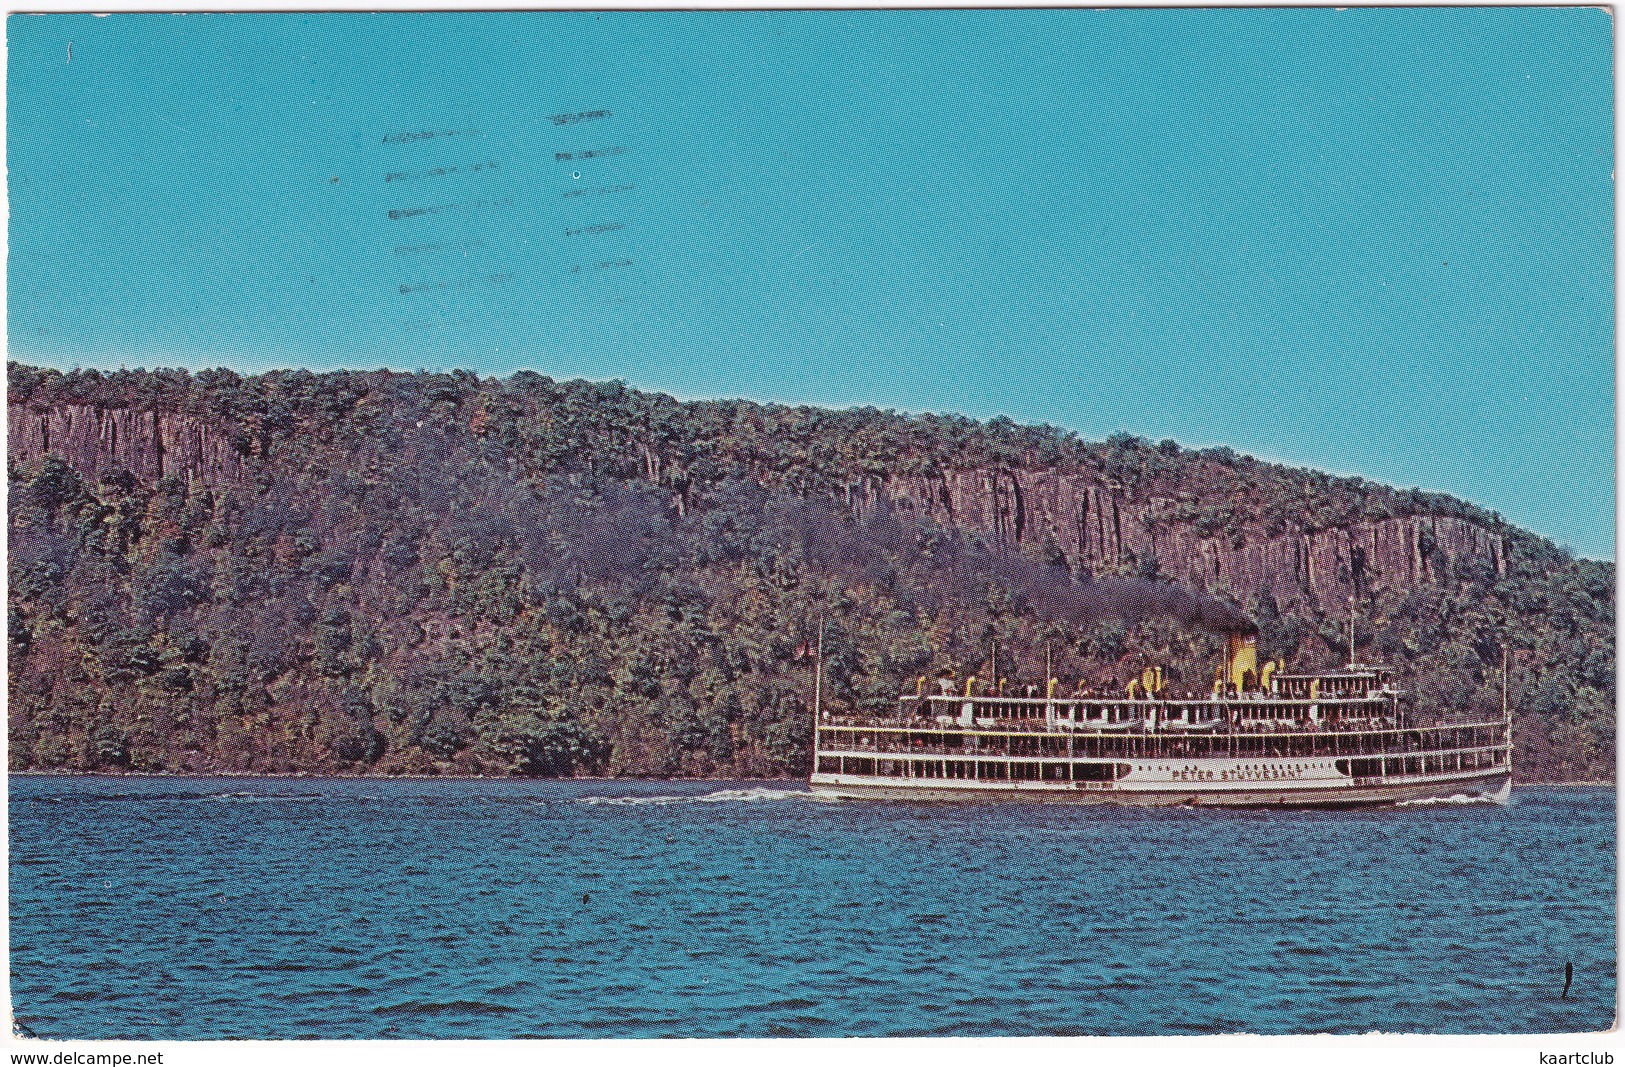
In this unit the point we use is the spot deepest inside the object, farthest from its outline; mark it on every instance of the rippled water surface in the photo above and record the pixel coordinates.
(211, 908)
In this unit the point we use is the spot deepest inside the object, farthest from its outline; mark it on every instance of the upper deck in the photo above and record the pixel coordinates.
(1355, 710)
(1356, 699)
(1251, 725)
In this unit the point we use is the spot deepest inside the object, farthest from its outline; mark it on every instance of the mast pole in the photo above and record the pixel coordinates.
(818, 677)
(1504, 681)
(1049, 696)
(818, 695)
(1351, 632)
(1506, 717)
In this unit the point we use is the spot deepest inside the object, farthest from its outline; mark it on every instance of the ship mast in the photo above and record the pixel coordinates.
(1506, 717)
(1351, 633)
(818, 678)
(1504, 685)
(1049, 693)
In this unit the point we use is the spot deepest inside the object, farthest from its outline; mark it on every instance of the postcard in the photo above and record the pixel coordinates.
(604, 525)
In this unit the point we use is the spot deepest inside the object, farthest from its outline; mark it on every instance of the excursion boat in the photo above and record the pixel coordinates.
(1261, 739)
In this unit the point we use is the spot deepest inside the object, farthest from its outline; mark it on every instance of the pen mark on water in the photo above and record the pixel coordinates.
(578, 268)
(437, 172)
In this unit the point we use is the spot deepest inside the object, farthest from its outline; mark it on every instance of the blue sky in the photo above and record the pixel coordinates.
(1375, 242)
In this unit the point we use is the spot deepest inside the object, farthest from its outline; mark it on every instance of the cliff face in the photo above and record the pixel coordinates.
(149, 444)
(1099, 528)
(1095, 525)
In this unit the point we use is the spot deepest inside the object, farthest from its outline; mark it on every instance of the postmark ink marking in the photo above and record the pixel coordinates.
(473, 205)
(437, 172)
(438, 246)
(602, 227)
(424, 135)
(458, 283)
(571, 118)
(590, 153)
(600, 191)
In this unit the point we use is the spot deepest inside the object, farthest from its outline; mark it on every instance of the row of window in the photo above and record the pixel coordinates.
(1444, 763)
(1155, 746)
(973, 770)
(1039, 771)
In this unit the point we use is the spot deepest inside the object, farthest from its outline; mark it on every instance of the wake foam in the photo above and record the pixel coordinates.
(721, 796)
(252, 798)
(1500, 798)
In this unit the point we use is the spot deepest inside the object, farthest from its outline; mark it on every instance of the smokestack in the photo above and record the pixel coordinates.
(1241, 662)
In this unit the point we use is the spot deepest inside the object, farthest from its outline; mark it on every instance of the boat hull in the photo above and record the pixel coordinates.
(1488, 785)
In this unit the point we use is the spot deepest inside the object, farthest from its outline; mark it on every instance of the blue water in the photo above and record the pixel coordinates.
(215, 908)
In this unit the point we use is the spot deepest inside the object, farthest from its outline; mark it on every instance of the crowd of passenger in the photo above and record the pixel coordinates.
(1112, 690)
(924, 718)
(1314, 726)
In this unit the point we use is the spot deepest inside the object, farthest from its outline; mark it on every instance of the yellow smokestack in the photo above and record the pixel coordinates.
(969, 684)
(1159, 679)
(1264, 676)
(1148, 681)
(1052, 684)
(1243, 659)
(920, 689)
(1133, 684)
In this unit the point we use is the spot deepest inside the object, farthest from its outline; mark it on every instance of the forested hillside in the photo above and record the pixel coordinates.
(437, 573)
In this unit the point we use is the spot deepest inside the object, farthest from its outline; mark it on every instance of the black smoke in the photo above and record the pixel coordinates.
(931, 565)
(1133, 600)
(629, 534)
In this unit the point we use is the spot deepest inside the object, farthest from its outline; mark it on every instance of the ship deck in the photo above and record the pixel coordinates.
(1031, 738)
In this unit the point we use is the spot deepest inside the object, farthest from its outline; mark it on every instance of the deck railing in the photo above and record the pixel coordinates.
(1015, 740)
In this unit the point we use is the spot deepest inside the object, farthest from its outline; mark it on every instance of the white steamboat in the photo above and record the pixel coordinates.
(1261, 739)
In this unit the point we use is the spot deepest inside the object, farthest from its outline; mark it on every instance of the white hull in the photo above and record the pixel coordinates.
(1155, 789)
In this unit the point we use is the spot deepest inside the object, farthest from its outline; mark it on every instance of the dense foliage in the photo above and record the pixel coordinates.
(436, 573)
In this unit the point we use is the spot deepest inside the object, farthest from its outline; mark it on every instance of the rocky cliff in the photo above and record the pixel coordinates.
(1099, 528)
(149, 444)
(1095, 524)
